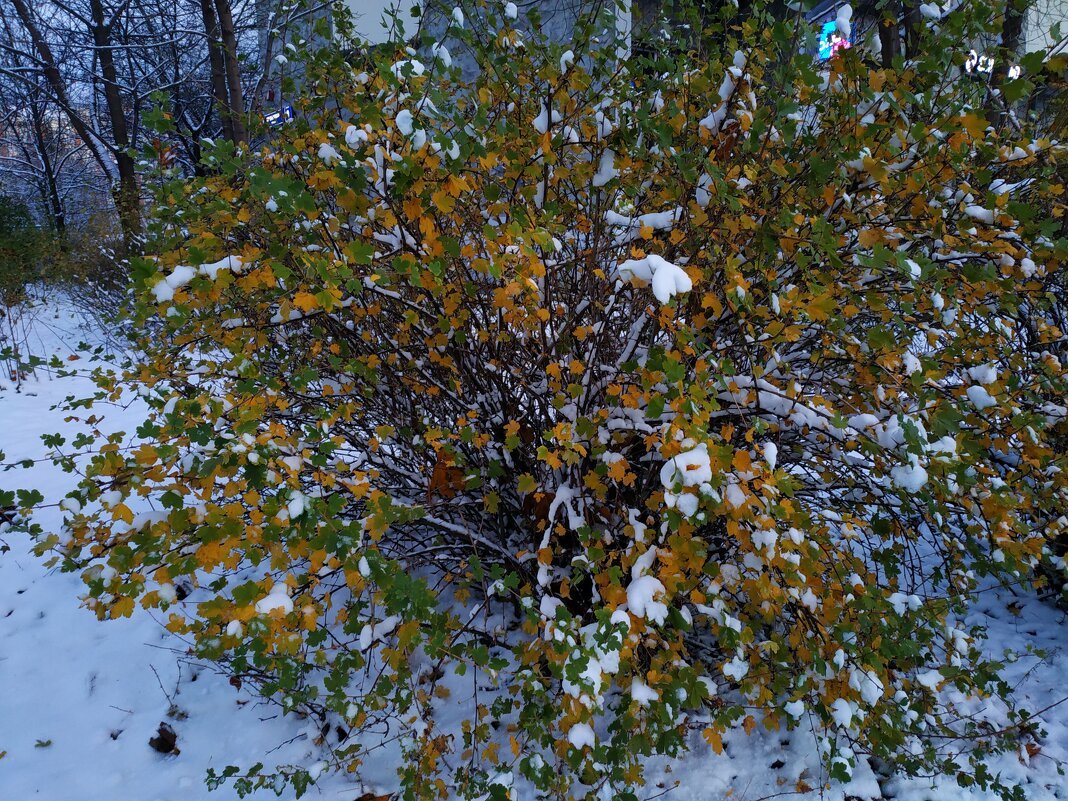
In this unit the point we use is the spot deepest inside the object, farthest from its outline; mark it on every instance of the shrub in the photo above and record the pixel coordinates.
(20, 248)
(38, 264)
(94, 274)
(23, 251)
(693, 395)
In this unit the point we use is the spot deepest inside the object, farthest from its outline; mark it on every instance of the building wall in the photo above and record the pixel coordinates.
(372, 17)
(1040, 18)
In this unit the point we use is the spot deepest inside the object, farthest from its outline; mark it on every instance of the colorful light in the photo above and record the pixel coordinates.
(831, 41)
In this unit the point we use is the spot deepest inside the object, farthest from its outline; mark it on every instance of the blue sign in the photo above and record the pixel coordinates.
(283, 115)
(831, 41)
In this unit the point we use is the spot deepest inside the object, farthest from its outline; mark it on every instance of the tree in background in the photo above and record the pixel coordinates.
(42, 161)
(629, 399)
(88, 55)
(23, 250)
(101, 67)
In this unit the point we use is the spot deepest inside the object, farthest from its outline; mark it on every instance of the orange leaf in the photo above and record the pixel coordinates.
(870, 236)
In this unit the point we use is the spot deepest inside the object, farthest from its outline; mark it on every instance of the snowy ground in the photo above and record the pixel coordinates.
(80, 699)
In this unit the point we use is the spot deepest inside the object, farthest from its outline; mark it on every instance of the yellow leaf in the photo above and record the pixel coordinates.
(413, 208)
(122, 512)
(975, 125)
(454, 185)
(876, 169)
(550, 458)
(713, 738)
(742, 462)
(122, 608)
(820, 308)
(710, 301)
(443, 201)
(593, 481)
(210, 554)
(305, 301)
(617, 470)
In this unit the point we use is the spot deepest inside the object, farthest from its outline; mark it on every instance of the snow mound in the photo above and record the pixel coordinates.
(667, 279)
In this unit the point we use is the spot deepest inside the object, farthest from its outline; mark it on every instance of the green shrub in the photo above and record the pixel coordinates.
(21, 251)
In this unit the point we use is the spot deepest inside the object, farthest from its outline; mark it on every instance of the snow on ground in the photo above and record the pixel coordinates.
(80, 699)
(765, 765)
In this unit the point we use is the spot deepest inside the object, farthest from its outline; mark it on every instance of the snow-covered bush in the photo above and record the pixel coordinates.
(592, 406)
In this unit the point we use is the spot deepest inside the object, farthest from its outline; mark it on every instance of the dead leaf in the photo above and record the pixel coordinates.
(166, 740)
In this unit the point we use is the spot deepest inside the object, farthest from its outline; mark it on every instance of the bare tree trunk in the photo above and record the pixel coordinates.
(1011, 34)
(56, 212)
(217, 65)
(235, 94)
(997, 111)
(889, 34)
(127, 199)
(911, 22)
